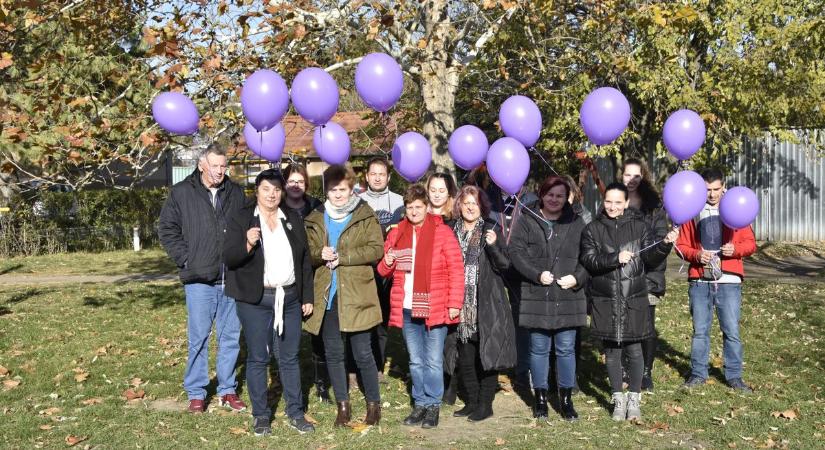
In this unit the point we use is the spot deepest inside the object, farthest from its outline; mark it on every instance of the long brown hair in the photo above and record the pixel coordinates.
(648, 193)
(452, 190)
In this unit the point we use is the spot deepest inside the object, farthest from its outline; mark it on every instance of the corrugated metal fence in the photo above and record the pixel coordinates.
(788, 178)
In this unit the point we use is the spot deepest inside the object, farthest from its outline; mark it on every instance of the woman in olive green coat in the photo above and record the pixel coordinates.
(345, 241)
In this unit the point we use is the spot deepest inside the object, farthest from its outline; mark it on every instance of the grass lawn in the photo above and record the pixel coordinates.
(69, 354)
(150, 261)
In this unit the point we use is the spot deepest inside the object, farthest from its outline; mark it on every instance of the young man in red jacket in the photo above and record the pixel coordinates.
(715, 254)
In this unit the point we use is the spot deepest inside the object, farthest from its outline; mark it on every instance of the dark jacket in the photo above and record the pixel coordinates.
(496, 330)
(619, 293)
(245, 270)
(549, 307)
(192, 231)
(310, 204)
(360, 246)
(656, 219)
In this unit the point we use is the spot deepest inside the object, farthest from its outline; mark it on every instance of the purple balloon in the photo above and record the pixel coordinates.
(331, 142)
(411, 155)
(520, 119)
(684, 196)
(315, 95)
(683, 133)
(738, 207)
(264, 99)
(268, 144)
(468, 146)
(604, 115)
(508, 164)
(175, 113)
(379, 81)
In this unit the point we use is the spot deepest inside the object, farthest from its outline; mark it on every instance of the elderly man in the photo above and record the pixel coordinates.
(191, 229)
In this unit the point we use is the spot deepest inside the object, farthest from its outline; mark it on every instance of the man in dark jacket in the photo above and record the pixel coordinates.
(191, 229)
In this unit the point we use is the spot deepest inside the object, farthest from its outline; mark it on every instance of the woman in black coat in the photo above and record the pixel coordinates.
(618, 248)
(486, 334)
(544, 248)
(644, 198)
(270, 277)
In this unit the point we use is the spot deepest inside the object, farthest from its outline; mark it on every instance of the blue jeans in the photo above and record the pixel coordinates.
(565, 340)
(206, 304)
(426, 350)
(261, 339)
(726, 298)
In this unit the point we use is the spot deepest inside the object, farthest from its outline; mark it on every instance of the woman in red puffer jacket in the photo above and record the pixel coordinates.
(424, 259)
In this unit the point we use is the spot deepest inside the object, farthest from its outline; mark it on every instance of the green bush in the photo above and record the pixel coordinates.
(93, 220)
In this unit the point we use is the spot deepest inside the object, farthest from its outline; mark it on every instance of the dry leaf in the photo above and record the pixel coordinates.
(674, 410)
(240, 431)
(10, 384)
(789, 414)
(49, 411)
(81, 376)
(500, 441)
(101, 351)
(3, 371)
(359, 427)
(92, 401)
(660, 426)
(310, 419)
(46, 427)
(132, 395)
(731, 444)
(135, 382)
(72, 440)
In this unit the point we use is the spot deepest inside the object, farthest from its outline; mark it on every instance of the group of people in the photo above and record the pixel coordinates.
(477, 281)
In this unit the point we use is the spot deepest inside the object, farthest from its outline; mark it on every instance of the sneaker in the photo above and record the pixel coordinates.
(619, 406)
(740, 385)
(260, 426)
(634, 406)
(197, 406)
(693, 382)
(301, 424)
(233, 402)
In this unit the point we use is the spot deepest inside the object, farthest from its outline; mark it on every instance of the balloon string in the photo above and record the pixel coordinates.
(544, 160)
(546, 222)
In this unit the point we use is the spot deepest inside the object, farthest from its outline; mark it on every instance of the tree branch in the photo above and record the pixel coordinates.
(487, 35)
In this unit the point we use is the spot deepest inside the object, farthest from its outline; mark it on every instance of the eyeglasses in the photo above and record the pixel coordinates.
(295, 182)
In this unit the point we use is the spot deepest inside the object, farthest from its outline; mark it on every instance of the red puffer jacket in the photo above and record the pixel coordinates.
(744, 245)
(446, 280)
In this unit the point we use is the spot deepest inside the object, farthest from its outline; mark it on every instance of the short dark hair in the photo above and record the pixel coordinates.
(378, 160)
(337, 173)
(712, 174)
(274, 176)
(415, 192)
(617, 186)
(481, 198)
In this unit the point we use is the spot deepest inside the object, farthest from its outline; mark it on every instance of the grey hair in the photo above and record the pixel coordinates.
(213, 149)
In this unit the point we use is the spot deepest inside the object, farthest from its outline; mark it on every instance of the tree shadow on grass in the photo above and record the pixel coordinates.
(158, 295)
(11, 268)
(21, 296)
(155, 265)
(681, 361)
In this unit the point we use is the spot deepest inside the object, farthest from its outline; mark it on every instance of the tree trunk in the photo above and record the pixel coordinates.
(439, 84)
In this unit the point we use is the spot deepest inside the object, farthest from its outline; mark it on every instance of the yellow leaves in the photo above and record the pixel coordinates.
(80, 101)
(72, 440)
(92, 401)
(310, 419)
(49, 411)
(686, 13)
(422, 44)
(489, 4)
(500, 441)
(5, 60)
(45, 427)
(359, 427)
(238, 431)
(789, 414)
(10, 384)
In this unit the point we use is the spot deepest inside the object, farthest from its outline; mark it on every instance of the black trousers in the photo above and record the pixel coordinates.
(335, 349)
(480, 385)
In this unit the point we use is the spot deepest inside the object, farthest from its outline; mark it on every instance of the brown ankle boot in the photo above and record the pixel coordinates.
(373, 413)
(344, 414)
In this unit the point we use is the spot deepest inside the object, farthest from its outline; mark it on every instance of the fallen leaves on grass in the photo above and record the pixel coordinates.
(46, 427)
(72, 440)
(49, 411)
(10, 384)
(500, 441)
(80, 375)
(3, 371)
(659, 426)
(673, 410)
(238, 431)
(92, 401)
(310, 419)
(789, 414)
(130, 394)
(136, 382)
(359, 427)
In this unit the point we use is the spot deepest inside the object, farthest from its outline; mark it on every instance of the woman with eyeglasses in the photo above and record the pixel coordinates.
(486, 334)
(345, 242)
(544, 248)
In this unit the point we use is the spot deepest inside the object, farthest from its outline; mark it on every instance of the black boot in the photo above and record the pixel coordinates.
(471, 388)
(540, 403)
(451, 388)
(321, 381)
(649, 355)
(566, 404)
(430, 417)
(416, 416)
(486, 394)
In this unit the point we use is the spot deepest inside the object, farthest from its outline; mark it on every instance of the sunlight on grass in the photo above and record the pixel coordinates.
(69, 354)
